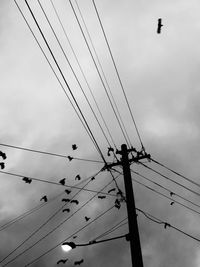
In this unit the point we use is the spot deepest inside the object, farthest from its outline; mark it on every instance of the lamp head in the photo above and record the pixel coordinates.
(67, 246)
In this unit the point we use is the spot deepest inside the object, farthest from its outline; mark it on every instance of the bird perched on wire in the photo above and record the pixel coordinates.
(87, 218)
(78, 177)
(68, 191)
(117, 204)
(67, 210)
(70, 158)
(172, 193)
(78, 262)
(3, 155)
(62, 181)
(27, 180)
(62, 261)
(74, 147)
(93, 178)
(44, 198)
(2, 165)
(160, 25)
(74, 201)
(66, 200)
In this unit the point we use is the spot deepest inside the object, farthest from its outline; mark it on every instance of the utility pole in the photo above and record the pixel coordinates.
(136, 253)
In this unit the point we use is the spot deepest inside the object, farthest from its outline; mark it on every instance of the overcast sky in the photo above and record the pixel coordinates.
(161, 80)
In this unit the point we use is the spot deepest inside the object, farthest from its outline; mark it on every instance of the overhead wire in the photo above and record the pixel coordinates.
(43, 224)
(50, 65)
(70, 65)
(169, 179)
(60, 224)
(117, 72)
(175, 172)
(104, 86)
(50, 153)
(81, 69)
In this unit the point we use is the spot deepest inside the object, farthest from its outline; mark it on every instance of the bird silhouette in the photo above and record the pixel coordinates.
(68, 191)
(87, 218)
(62, 181)
(78, 177)
(66, 200)
(110, 149)
(78, 262)
(171, 194)
(67, 210)
(75, 236)
(3, 155)
(62, 261)
(166, 225)
(27, 180)
(117, 204)
(74, 147)
(2, 165)
(74, 201)
(172, 203)
(159, 25)
(101, 197)
(93, 178)
(70, 158)
(44, 198)
(111, 190)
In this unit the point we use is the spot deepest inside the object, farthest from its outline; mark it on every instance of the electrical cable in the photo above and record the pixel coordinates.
(44, 223)
(81, 69)
(117, 72)
(50, 153)
(98, 71)
(63, 51)
(182, 176)
(21, 12)
(55, 228)
(164, 176)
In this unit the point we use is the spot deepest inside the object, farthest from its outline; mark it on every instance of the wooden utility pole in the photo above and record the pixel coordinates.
(136, 252)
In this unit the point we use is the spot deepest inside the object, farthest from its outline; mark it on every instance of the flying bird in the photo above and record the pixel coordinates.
(75, 236)
(62, 181)
(67, 210)
(66, 200)
(78, 177)
(111, 190)
(70, 158)
(101, 197)
(27, 180)
(74, 201)
(68, 191)
(110, 149)
(62, 261)
(172, 203)
(87, 218)
(2, 164)
(74, 147)
(159, 25)
(3, 155)
(44, 198)
(78, 262)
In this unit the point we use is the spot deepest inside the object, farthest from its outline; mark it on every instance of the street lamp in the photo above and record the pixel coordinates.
(67, 246)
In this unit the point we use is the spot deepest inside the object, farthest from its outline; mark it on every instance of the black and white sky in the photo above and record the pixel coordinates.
(161, 80)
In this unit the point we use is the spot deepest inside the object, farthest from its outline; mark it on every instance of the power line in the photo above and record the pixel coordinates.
(168, 190)
(70, 236)
(21, 12)
(55, 228)
(50, 153)
(182, 176)
(55, 183)
(79, 65)
(98, 71)
(117, 72)
(166, 224)
(42, 225)
(63, 51)
(164, 176)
